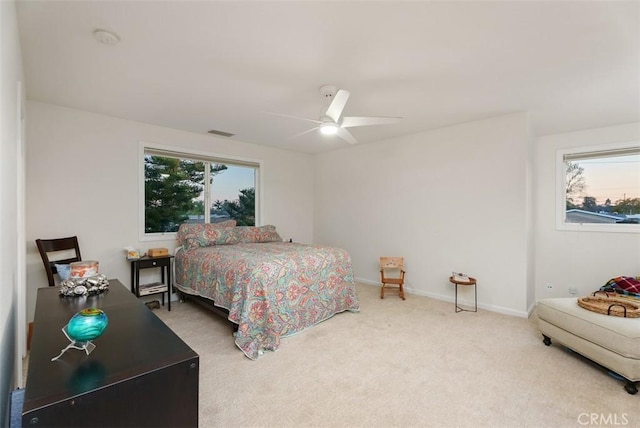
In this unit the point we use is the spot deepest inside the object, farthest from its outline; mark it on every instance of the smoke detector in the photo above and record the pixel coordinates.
(106, 37)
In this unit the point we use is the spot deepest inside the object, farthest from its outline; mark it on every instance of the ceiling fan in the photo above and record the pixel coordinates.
(331, 121)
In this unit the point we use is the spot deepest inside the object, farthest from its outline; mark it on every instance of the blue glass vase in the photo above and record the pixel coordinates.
(87, 324)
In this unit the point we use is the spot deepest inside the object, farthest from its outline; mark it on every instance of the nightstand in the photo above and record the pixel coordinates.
(162, 262)
(471, 281)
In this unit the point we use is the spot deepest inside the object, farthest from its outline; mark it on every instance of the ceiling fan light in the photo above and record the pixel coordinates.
(329, 128)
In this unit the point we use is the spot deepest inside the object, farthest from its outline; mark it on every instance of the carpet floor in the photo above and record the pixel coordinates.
(400, 363)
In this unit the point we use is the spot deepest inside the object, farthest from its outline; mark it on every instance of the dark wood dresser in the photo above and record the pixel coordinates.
(141, 374)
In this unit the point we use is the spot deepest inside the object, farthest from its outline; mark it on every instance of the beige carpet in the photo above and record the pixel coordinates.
(400, 363)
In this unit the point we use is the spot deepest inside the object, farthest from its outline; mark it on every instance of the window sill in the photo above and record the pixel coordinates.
(606, 228)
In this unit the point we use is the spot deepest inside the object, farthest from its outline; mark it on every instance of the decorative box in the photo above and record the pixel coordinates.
(158, 252)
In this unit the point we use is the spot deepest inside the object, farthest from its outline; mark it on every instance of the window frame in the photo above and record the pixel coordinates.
(561, 197)
(195, 155)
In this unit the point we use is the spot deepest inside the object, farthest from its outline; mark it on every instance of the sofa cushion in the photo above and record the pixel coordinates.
(617, 334)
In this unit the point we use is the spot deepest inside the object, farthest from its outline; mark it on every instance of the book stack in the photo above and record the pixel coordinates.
(153, 288)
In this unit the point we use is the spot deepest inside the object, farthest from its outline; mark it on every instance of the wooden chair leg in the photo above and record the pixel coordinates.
(382, 292)
(402, 292)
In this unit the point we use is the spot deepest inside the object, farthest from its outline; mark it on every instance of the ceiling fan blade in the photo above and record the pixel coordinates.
(303, 132)
(337, 105)
(346, 136)
(349, 122)
(294, 117)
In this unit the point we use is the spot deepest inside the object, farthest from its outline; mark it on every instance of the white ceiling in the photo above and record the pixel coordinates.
(207, 65)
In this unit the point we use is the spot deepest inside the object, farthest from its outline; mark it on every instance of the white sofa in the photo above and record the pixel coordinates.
(612, 342)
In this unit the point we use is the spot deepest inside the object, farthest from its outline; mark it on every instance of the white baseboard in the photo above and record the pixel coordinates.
(366, 281)
(451, 298)
(531, 309)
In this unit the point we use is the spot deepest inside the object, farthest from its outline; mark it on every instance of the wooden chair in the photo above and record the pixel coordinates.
(46, 246)
(389, 265)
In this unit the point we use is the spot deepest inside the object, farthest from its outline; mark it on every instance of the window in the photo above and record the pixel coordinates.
(179, 187)
(599, 188)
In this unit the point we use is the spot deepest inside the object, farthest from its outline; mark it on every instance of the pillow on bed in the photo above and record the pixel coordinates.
(188, 233)
(213, 235)
(247, 234)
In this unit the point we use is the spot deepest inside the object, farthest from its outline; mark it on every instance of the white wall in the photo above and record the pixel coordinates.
(585, 260)
(12, 327)
(455, 198)
(82, 179)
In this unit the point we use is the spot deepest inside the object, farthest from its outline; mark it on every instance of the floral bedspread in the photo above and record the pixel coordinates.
(271, 289)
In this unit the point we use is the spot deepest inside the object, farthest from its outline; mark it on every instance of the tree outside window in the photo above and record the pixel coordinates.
(179, 190)
(603, 187)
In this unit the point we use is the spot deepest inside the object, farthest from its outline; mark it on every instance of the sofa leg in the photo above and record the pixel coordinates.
(631, 387)
(546, 340)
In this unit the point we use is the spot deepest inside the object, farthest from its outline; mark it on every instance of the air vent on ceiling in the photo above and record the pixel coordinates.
(222, 133)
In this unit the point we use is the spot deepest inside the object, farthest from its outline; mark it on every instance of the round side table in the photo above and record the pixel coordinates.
(472, 281)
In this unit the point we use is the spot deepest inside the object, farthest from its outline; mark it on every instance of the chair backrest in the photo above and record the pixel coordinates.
(46, 246)
(393, 266)
(391, 263)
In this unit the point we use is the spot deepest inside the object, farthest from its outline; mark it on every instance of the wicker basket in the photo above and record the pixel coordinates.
(610, 306)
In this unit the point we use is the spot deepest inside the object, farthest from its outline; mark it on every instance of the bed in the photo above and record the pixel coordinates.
(270, 289)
